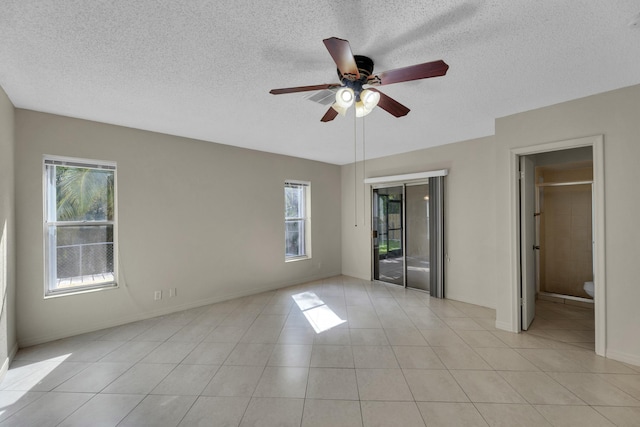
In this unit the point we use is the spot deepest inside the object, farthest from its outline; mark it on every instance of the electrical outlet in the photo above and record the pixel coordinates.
(157, 295)
(173, 292)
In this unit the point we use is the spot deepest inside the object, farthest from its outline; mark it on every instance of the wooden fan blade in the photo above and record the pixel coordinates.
(329, 115)
(413, 72)
(391, 106)
(340, 51)
(303, 88)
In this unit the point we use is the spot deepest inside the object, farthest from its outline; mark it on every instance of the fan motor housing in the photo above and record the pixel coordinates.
(365, 68)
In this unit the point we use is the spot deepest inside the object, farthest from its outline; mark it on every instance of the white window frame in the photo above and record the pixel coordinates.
(49, 208)
(305, 218)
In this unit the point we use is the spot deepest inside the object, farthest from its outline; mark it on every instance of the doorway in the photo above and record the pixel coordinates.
(407, 235)
(560, 225)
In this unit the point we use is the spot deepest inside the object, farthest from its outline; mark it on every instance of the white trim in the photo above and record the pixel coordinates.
(7, 361)
(620, 356)
(109, 165)
(407, 177)
(597, 144)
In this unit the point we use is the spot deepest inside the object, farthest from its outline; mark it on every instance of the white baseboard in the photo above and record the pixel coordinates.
(620, 356)
(505, 326)
(91, 327)
(7, 361)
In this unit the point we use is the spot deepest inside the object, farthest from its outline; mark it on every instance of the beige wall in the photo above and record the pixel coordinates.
(7, 231)
(204, 218)
(469, 215)
(478, 208)
(566, 253)
(615, 115)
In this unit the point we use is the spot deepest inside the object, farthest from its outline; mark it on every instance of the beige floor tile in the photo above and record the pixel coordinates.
(268, 411)
(226, 334)
(158, 411)
(509, 415)
(461, 358)
(368, 337)
(42, 376)
(140, 379)
(301, 336)
(417, 358)
(192, 333)
(447, 311)
(620, 416)
(169, 352)
(569, 416)
(540, 388)
(381, 414)
(463, 324)
(95, 378)
(442, 338)
(480, 339)
(133, 352)
(103, 410)
(395, 320)
(486, 387)
(428, 323)
(331, 356)
(93, 351)
(334, 413)
(259, 334)
(295, 355)
(332, 383)
(158, 332)
(245, 354)
(234, 362)
(405, 336)
(434, 386)
(282, 382)
(234, 381)
(505, 359)
(522, 340)
(209, 353)
(383, 384)
(334, 336)
(374, 357)
(550, 360)
(594, 390)
(12, 401)
(48, 410)
(630, 384)
(443, 414)
(226, 411)
(186, 380)
(597, 364)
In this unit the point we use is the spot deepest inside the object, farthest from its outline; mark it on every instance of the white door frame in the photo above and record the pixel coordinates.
(597, 144)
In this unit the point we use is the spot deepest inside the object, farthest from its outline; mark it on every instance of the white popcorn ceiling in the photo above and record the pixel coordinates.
(203, 68)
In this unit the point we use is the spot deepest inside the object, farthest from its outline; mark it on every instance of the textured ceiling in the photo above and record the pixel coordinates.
(203, 68)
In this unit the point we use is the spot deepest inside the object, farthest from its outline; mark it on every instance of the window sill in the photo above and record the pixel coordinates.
(83, 290)
(297, 258)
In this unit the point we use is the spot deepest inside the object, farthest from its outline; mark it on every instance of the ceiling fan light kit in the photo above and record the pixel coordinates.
(356, 71)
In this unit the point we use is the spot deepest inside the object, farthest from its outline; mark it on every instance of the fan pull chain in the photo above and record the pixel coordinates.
(355, 168)
(364, 176)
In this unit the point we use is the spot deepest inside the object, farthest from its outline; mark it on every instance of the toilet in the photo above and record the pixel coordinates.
(588, 288)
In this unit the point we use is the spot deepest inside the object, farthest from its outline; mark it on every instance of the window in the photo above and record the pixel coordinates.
(79, 225)
(297, 234)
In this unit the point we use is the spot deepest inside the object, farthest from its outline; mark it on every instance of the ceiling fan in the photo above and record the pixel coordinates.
(356, 72)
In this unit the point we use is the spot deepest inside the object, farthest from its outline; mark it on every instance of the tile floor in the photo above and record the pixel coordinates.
(338, 352)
